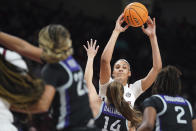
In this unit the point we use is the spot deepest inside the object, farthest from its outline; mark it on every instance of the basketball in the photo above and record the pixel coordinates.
(135, 14)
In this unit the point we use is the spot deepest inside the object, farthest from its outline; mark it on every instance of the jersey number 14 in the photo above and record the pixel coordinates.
(116, 123)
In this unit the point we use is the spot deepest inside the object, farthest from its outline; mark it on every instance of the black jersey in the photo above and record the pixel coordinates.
(70, 107)
(109, 119)
(173, 113)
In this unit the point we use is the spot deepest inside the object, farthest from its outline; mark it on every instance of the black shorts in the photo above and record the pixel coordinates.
(81, 129)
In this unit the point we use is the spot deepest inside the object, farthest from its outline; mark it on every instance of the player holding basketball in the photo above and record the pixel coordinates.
(121, 69)
(113, 113)
(166, 108)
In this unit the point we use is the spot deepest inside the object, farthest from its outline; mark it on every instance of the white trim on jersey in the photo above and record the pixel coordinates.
(127, 124)
(14, 58)
(164, 106)
(100, 111)
(160, 113)
(157, 124)
(61, 90)
(190, 108)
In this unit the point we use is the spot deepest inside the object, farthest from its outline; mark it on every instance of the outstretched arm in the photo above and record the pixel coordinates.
(21, 46)
(91, 50)
(157, 62)
(105, 68)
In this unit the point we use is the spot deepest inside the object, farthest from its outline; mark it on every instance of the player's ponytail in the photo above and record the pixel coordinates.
(115, 96)
(17, 86)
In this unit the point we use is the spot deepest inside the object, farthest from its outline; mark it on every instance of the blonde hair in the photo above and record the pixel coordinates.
(55, 42)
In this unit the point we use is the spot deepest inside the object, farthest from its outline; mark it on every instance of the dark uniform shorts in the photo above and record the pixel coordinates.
(81, 129)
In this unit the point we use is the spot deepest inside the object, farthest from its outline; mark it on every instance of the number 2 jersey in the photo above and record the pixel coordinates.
(173, 113)
(70, 106)
(109, 119)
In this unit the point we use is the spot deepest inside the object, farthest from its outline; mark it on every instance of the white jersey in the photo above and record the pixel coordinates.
(13, 58)
(6, 117)
(131, 91)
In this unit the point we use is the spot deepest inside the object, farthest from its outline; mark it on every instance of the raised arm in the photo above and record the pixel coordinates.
(21, 46)
(95, 101)
(157, 62)
(105, 68)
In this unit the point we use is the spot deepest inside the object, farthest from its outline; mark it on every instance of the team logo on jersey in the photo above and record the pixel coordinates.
(128, 94)
(129, 102)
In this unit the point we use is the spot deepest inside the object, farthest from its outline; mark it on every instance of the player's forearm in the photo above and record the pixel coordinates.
(31, 110)
(145, 126)
(108, 51)
(11, 42)
(43, 104)
(144, 129)
(157, 62)
(88, 75)
(21, 46)
(194, 124)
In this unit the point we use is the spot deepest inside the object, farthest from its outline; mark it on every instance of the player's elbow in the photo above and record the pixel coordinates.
(157, 67)
(148, 127)
(104, 61)
(43, 109)
(104, 58)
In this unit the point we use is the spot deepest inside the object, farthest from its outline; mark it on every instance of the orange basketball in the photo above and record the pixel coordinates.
(135, 14)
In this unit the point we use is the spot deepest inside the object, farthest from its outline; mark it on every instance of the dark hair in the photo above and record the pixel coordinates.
(18, 87)
(124, 61)
(114, 95)
(168, 82)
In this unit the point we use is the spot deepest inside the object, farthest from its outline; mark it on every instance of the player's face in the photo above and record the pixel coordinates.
(121, 71)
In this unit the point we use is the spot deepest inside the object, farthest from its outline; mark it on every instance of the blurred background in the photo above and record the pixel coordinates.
(85, 19)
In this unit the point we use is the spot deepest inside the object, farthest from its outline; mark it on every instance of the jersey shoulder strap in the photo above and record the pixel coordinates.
(164, 105)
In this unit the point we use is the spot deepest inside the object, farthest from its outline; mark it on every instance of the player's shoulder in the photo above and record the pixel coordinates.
(135, 87)
(136, 83)
(50, 69)
(153, 100)
(51, 66)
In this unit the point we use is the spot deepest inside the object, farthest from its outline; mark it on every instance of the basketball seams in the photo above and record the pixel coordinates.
(140, 8)
(126, 17)
(132, 21)
(137, 14)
